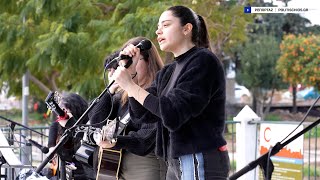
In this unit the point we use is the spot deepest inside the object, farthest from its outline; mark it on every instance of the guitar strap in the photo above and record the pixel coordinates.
(122, 123)
(86, 151)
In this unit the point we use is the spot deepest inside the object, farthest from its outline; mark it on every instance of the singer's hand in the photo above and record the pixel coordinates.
(123, 78)
(114, 87)
(107, 144)
(131, 50)
(134, 52)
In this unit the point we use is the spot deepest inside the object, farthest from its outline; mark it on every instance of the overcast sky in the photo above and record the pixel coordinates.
(313, 14)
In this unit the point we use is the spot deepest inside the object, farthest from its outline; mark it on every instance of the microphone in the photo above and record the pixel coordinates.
(43, 149)
(142, 45)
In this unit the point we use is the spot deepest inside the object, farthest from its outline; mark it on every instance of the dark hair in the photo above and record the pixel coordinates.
(109, 58)
(151, 56)
(200, 36)
(76, 104)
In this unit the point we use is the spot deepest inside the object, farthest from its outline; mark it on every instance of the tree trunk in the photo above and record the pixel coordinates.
(39, 83)
(254, 103)
(267, 110)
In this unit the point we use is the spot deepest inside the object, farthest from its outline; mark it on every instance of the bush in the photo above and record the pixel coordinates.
(272, 117)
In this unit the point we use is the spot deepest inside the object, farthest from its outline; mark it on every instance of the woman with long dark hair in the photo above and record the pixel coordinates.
(187, 98)
(138, 160)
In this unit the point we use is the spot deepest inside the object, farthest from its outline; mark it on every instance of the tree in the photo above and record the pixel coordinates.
(50, 40)
(62, 43)
(226, 23)
(275, 25)
(299, 62)
(257, 70)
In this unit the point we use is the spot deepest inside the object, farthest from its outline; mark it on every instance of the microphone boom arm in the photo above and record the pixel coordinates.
(68, 132)
(25, 127)
(262, 159)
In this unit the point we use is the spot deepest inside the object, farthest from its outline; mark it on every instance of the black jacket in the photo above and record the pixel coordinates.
(139, 137)
(191, 116)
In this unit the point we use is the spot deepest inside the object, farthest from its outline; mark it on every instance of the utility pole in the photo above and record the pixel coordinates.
(26, 150)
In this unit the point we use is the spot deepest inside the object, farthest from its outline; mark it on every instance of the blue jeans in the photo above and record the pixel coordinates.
(211, 165)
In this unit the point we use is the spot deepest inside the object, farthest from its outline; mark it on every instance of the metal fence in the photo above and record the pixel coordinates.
(28, 154)
(311, 153)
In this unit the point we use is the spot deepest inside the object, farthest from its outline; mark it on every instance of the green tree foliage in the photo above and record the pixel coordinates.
(226, 23)
(51, 40)
(257, 64)
(63, 43)
(275, 25)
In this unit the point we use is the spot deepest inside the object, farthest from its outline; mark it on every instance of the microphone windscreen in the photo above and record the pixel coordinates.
(144, 45)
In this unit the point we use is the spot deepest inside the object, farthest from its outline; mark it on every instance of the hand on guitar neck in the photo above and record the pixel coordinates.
(107, 144)
(107, 135)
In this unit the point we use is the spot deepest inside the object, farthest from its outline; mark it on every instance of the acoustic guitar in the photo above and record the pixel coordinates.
(109, 164)
(110, 159)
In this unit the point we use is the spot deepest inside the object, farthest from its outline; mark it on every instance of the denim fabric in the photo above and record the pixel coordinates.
(210, 165)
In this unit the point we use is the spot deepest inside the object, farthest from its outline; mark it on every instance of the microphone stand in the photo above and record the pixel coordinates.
(68, 132)
(13, 123)
(263, 160)
(12, 126)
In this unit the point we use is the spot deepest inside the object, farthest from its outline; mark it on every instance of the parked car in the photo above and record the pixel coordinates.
(308, 93)
(242, 94)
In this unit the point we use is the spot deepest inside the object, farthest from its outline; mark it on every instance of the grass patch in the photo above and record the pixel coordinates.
(272, 117)
(312, 172)
(35, 118)
(233, 165)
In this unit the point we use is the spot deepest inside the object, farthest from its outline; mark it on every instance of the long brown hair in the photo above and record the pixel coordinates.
(154, 60)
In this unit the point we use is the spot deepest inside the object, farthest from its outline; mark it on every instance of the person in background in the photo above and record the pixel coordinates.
(138, 141)
(187, 98)
(75, 106)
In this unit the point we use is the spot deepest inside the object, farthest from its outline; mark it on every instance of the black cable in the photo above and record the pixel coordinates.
(106, 119)
(109, 93)
(304, 118)
(104, 75)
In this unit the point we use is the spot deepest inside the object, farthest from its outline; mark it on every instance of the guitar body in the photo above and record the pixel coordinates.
(109, 164)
